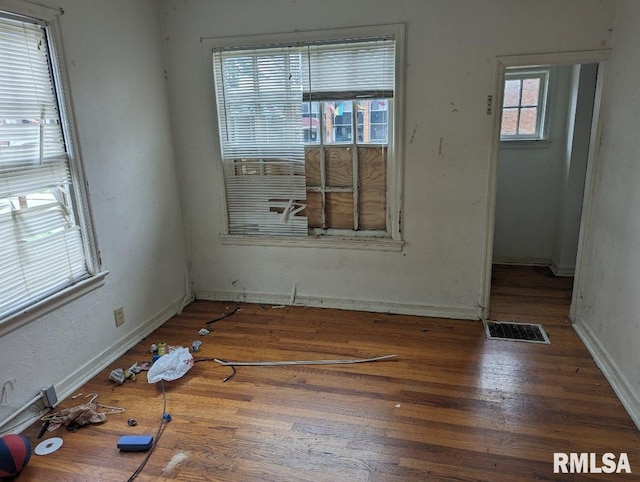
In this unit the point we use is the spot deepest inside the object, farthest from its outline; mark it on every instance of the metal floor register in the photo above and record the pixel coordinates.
(530, 333)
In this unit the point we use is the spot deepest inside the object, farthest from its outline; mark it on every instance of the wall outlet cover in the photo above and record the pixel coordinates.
(118, 314)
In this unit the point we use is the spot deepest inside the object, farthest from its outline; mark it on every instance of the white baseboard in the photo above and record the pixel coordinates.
(511, 260)
(612, 373)
(70, 384)
(567, 271)
(563, 271)
(341, 303)
(110, 354)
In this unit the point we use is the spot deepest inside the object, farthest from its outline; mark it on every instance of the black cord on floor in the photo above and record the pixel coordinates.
(226, 315)
(164, 418)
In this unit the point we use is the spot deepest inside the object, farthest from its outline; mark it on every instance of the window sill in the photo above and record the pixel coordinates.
(328, 242)
(525, 143)
(51, 303)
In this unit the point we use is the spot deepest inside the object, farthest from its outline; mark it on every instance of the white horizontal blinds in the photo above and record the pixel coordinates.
(349, 68)
(30, 128)
(258, 93)
(42, 250)
(266, 197)
(258, 97)
(40, 255)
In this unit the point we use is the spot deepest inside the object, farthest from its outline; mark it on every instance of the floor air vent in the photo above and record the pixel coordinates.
(516, 332)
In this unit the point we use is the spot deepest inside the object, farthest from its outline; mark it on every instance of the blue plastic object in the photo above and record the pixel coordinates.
(135, 443)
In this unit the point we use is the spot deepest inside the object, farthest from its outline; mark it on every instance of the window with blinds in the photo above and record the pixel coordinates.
(43, 250)
(272, 134)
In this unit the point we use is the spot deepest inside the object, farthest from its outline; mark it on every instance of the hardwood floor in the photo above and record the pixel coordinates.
(453, 406)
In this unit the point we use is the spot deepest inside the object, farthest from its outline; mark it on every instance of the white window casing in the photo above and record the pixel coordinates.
(48, 254)
(260, 123)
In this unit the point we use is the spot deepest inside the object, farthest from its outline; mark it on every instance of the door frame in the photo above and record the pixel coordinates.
(599, 57)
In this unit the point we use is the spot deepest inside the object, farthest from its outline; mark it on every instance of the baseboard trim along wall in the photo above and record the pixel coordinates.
(566, 271)
(557, 270)
(339, 303)
(618, 382)
(510, 260)
(70, 384)
(110, 354)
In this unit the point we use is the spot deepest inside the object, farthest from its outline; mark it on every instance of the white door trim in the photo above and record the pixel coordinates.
(554, 58)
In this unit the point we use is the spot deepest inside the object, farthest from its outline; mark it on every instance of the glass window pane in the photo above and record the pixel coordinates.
(372, 121)
(337, 122)
(530, 91)
(509, 122)
(527, 125)
(311, 122)
(511, 93)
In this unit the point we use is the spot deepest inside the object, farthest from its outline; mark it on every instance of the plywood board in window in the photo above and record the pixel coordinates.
(339, 210)
(372, 203)
(313, 210)
(339, 165)
(312, 166)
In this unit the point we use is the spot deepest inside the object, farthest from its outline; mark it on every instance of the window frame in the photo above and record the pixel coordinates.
(541, 131)
(50, 19)
(393, 240)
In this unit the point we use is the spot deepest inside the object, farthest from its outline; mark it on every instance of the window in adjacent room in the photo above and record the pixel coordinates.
(47, 246)
(307, 131)
(524, 104)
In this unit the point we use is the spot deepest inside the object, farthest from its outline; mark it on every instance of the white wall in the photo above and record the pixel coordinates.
(574, 169)
(117, 83)
(451, 68)
(607, 306)
(529, 184)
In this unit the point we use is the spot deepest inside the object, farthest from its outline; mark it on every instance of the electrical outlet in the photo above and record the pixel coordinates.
(118, 314)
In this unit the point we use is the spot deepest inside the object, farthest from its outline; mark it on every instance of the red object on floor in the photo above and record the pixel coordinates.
(15, 452)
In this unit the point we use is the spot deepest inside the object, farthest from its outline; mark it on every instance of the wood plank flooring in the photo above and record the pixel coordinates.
(453, 406)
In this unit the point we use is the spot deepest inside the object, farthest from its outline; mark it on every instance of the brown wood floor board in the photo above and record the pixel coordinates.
(453, 406)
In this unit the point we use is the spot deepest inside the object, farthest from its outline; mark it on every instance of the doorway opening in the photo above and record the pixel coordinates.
(545, 128)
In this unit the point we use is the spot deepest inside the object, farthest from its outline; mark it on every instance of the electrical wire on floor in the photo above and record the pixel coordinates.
(226, 315)
(165, 418)
(234, 364)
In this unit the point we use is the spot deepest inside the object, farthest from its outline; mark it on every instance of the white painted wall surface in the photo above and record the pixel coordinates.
(530, 177)
(607, 306)
(451, 51)
(574, 169)
(116, 77)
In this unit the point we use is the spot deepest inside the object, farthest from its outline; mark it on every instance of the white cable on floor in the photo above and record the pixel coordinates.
(301, 362)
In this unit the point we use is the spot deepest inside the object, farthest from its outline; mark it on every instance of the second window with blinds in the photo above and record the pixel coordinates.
(307, 135)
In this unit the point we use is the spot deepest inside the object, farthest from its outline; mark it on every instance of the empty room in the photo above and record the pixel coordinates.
(297, 240)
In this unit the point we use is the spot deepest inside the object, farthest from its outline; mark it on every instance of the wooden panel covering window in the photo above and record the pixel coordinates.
(336, 196)
(339, 165)
(339, 207)
(314, 209)
(372, 168)
(312, 166)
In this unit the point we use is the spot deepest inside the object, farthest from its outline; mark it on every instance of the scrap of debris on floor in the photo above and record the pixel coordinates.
(168, 363)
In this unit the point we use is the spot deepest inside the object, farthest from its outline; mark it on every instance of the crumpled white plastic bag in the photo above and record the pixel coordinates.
(170, 366)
